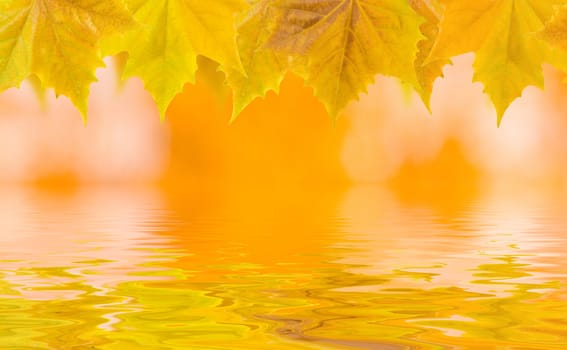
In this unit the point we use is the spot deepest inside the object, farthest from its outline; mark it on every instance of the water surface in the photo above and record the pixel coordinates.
(361, 268)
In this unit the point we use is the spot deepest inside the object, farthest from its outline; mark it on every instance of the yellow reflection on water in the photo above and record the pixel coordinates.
(252, 268)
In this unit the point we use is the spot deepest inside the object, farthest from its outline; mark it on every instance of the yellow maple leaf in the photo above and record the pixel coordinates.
(428, 72)
(555, 30)
(57, 41)
(15, 33)
(509, 55)
(264, 67)
(163, 50)
(348, 42)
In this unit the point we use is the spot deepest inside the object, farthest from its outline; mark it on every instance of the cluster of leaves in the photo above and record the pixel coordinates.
(337, 46)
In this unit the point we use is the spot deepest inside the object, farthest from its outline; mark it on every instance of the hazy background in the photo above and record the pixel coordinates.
(387, 137)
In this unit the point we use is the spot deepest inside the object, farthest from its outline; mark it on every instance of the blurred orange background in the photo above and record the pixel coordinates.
(286, 140)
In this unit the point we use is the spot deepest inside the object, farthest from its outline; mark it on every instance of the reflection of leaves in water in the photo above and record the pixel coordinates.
(50, 324)
(293, 276)
(510, 315)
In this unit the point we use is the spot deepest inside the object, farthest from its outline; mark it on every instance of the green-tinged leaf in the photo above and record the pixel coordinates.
(427, 73)
(163, 49)
(509, 55)
(264, 67)
(16, 33)
(57, 40)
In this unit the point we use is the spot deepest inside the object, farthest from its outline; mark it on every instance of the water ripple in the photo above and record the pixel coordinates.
(136, 270)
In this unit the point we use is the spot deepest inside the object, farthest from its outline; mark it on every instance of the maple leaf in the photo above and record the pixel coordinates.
(555, 30)
(57, 41)
(15, 30)
(265, 68)
(348, 42)
(163, 50)
(428, 72)
(509, 55)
